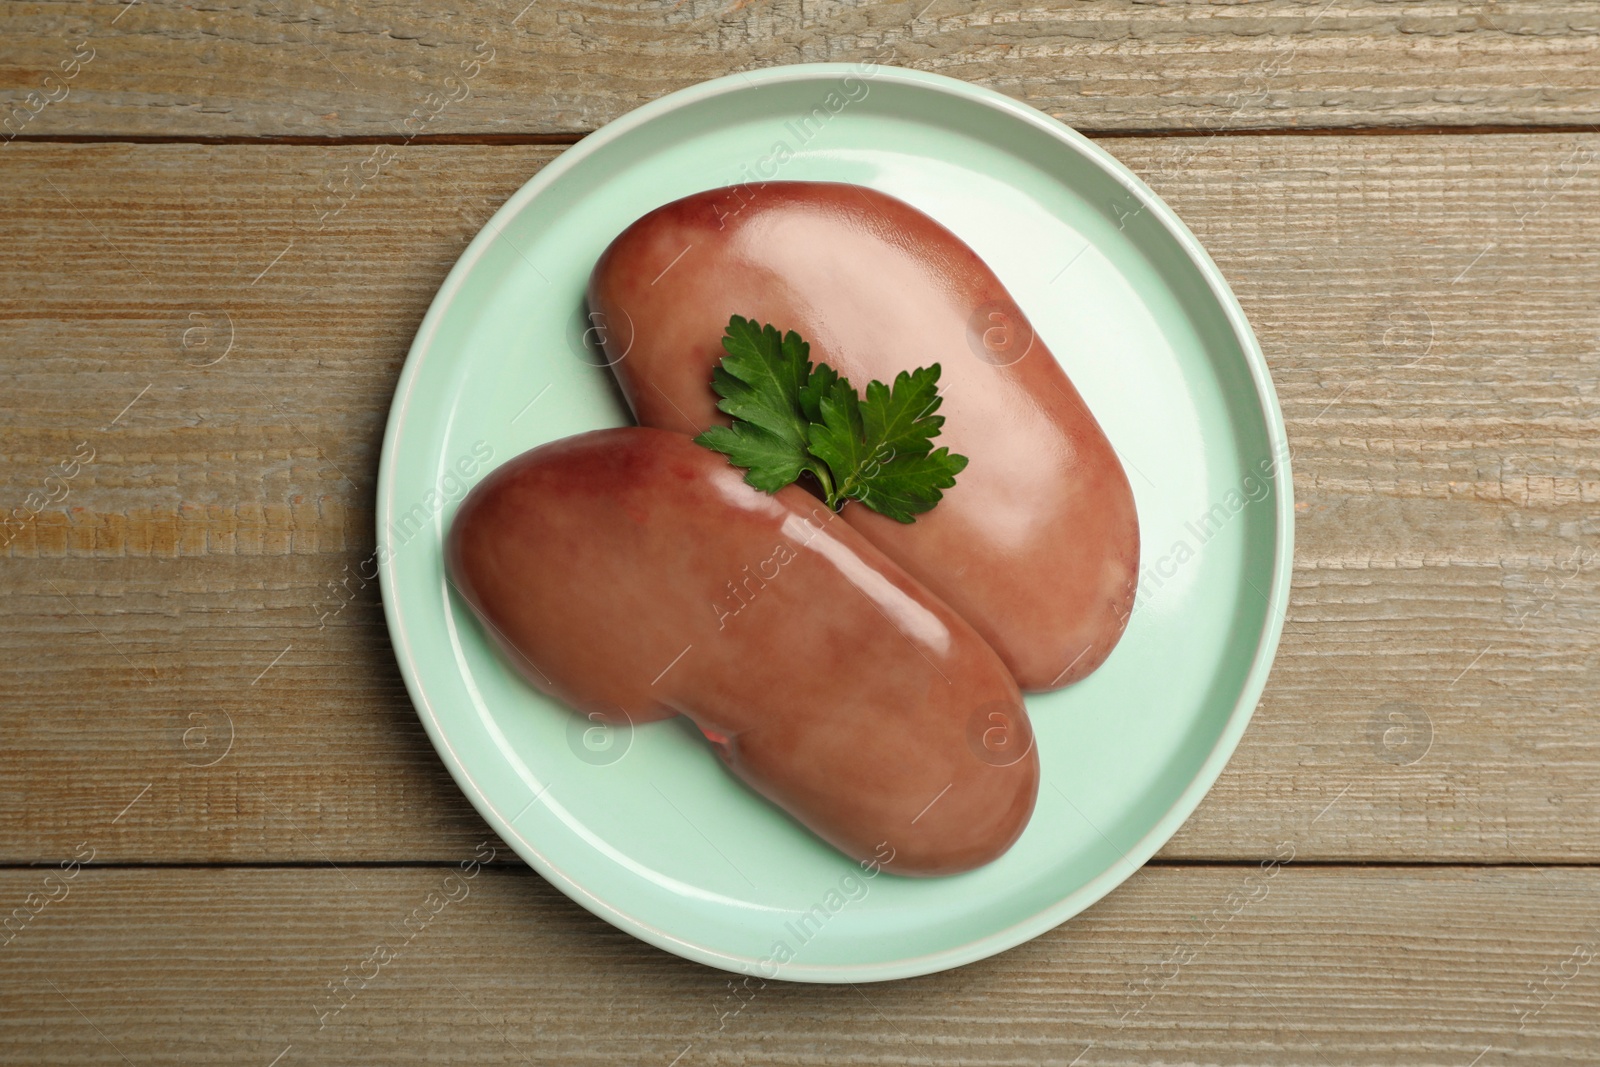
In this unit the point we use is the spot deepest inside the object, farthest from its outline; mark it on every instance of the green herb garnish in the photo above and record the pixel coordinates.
(792, 417)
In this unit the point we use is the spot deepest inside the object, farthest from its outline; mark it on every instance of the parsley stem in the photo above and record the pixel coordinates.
(829, 496)
(845, 488)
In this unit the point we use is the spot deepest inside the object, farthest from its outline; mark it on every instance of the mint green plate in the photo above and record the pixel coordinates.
(643, 826)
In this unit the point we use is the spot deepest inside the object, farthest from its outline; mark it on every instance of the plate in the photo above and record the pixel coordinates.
(643, 826)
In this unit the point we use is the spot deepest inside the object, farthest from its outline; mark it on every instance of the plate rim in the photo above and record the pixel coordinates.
(1255, 678)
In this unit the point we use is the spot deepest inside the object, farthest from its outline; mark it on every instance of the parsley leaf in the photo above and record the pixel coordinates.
(822, 380)
(791, 417)
(880, 450)
(759, 381)
(902, 418)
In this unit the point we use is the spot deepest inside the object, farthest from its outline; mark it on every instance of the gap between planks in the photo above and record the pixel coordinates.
(517, 865)
(492, 139)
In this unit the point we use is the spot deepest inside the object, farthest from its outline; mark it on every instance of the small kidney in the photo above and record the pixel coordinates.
(633, 574)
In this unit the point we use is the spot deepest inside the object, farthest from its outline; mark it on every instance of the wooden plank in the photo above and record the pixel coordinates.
(291, 68)
(1303, 965)
(1446, 494)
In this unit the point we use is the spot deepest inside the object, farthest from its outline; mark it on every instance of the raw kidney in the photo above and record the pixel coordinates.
(631, 571)
(1037, 546)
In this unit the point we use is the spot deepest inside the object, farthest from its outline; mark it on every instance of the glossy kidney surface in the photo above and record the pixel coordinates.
(631, 572)
(1037, 546)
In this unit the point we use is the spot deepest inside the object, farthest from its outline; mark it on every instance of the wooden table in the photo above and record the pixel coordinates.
(217, 799)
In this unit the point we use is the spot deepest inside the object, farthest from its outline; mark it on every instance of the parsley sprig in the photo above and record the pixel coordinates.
(791, 417)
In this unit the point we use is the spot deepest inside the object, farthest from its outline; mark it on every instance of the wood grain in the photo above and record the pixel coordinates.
(1309, 966)
(1446, 494)
(258, 68)
(197, 366)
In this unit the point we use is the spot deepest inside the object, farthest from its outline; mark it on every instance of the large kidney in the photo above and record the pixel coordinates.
(1037, 546)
